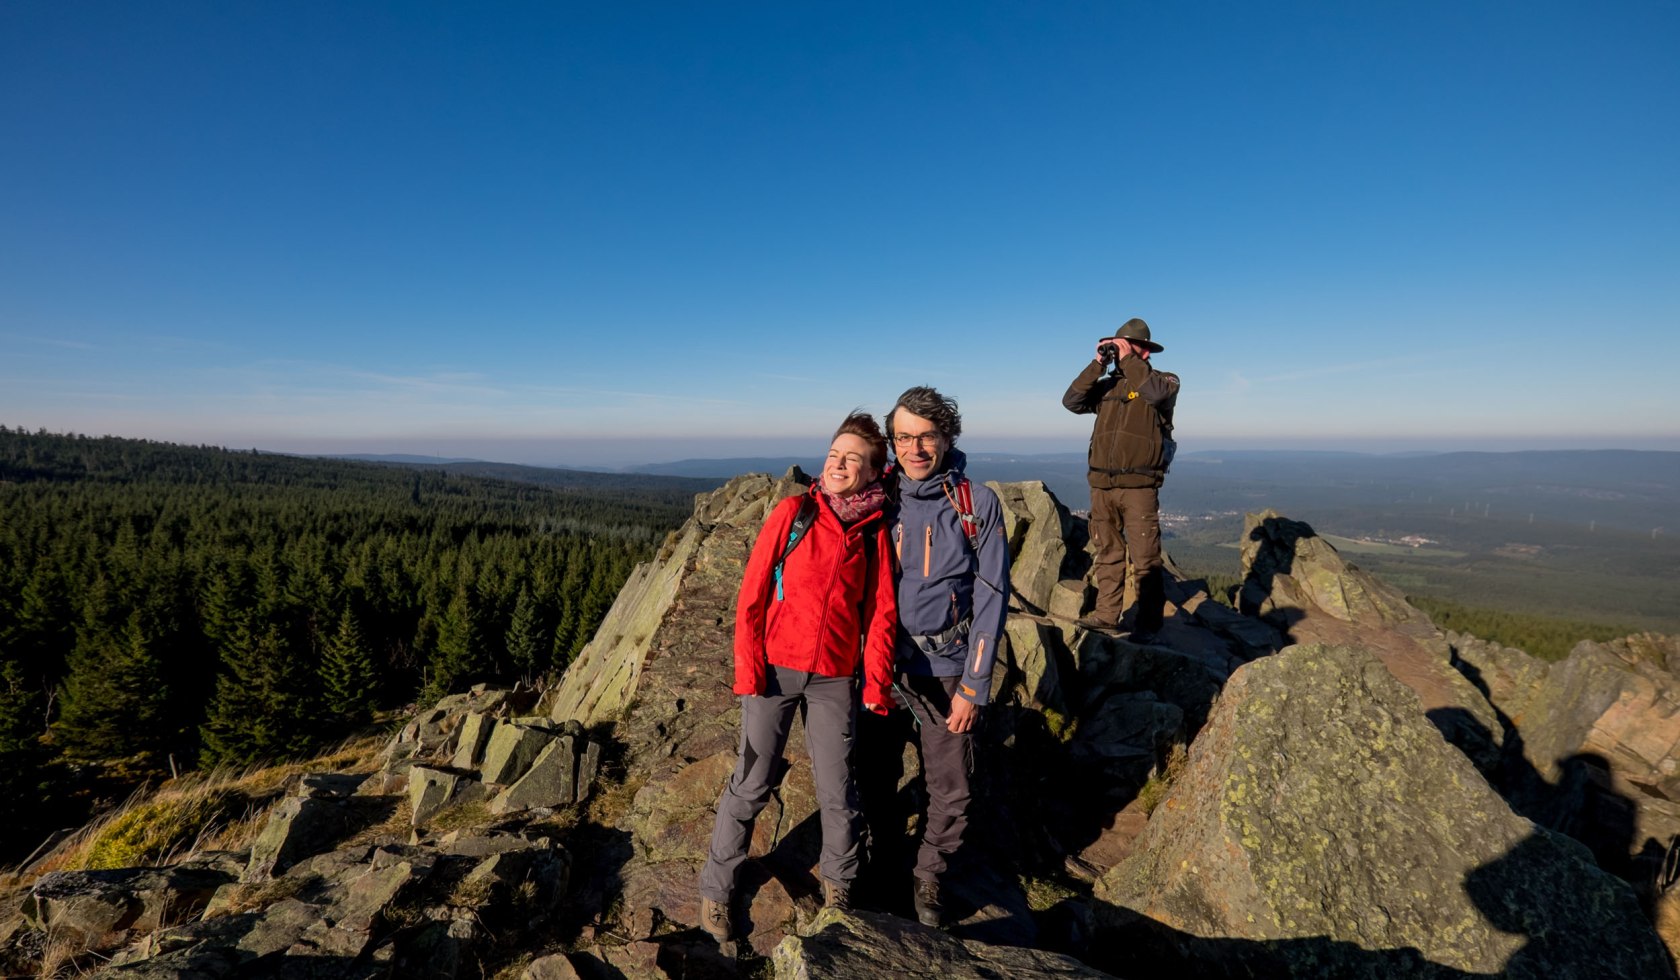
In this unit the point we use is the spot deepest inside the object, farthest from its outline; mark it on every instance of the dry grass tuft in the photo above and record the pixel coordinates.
(152, 832)
(457, 816)
(1155, 790)
(249, 896)
(216, 810)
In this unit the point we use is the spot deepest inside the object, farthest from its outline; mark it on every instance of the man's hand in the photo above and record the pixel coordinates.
(963, 715)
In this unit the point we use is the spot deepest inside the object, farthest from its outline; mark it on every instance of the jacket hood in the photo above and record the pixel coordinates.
(934, 486)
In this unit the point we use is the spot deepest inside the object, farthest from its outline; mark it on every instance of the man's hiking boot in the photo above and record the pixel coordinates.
(836, 896)
(1097, 625)
(714, 919)
(930, 911)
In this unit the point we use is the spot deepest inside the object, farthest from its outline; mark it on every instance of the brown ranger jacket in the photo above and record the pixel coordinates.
(1134, 409)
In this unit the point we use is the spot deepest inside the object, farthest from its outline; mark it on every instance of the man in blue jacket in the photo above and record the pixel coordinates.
(953, 588)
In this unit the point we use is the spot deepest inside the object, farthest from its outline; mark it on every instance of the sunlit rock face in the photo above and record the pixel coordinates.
(1324, 828)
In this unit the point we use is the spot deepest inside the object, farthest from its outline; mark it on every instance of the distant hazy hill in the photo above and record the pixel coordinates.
(1635, 490)
(573, 479)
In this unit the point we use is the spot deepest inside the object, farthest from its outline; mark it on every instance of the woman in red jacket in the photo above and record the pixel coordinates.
(810, 612)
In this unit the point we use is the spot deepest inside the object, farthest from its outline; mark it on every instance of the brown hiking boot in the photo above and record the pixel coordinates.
(1097, 625)
(714, 919)
(929, 909)
(837, 896)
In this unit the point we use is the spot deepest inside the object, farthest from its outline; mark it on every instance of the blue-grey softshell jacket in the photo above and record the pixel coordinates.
(942, 579)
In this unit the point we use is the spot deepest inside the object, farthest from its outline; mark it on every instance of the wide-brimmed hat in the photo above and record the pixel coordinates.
(1136, 331)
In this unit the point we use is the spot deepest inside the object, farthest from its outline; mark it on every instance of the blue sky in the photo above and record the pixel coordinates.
(615, 233)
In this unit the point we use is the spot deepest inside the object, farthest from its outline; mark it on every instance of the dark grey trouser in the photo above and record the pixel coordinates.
(828, 705)
(1126, 525)
(947, 761)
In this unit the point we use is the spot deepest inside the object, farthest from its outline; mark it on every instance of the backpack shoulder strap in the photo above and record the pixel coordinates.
(963, 501)
(802, 521)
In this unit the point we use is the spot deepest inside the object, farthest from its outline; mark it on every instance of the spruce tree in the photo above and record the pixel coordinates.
(348, 679)
(525, 645)
(263, 707)
(116, 698)
(460, 656)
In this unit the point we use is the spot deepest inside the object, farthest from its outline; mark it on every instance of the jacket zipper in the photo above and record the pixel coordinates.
(927, 551)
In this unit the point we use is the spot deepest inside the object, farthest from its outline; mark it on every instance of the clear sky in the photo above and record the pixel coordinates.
(620, 232)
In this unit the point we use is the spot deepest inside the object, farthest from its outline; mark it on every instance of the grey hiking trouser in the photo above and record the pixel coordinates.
(829, 708)
(947, 762)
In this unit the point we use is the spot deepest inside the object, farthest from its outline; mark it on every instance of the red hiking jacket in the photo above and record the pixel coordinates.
(838, 602)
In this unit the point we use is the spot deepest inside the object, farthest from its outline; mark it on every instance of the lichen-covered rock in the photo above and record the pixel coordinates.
(866, 946)
(430, 790)
(298, 827)
(469, 743)
(87, 906)
(1287, 566)
(1297, 582)
(1032, 672)
(1600, 739)
(511, 750)
(707, 553)
(1038, 528)
(550, 781)
(1322, 828)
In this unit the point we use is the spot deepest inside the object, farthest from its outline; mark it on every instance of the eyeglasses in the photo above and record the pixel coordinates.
(925, 440)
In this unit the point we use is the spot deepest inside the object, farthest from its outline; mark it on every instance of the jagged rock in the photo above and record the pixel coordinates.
(297, 828)
(88, 906)
(555, 966)
(198, 951)
(1506, 676)
(329, 785)
(430, 790)
(278, 927)
(1288, 567)
(599, 685)
(463, 843)
(1115, 842)
(469, 744)
(1298, 582)
(866, 945)
(1323, 828)
(1600, 739)
(589, 769)
(1254, 637)
(551, 780)
(1038, 528)
(1034, 658)
(512, 749)
(1131, 732)
(1189, 680)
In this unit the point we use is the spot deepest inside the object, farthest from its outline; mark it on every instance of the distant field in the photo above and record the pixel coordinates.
(1623, 580)
(1352, 546)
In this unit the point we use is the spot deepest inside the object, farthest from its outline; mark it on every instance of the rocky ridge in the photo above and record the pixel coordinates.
(1380, 799)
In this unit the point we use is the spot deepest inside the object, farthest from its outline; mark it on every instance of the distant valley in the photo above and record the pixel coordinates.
(1581, 534)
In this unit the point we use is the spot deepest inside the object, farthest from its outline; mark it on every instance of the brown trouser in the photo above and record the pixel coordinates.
(1127, 524)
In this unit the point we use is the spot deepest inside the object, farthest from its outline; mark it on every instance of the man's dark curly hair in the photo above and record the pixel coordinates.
(929, 404)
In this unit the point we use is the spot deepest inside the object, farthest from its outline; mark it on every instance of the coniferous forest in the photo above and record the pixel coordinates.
(166, 607)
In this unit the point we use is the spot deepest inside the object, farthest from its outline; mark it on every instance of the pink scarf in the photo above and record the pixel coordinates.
(856, 506)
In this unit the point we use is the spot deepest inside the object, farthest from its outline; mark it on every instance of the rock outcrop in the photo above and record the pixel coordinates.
(1324, 829)
(1593, 742)
(1314, 821)
(1298, 583)
(866, 946)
